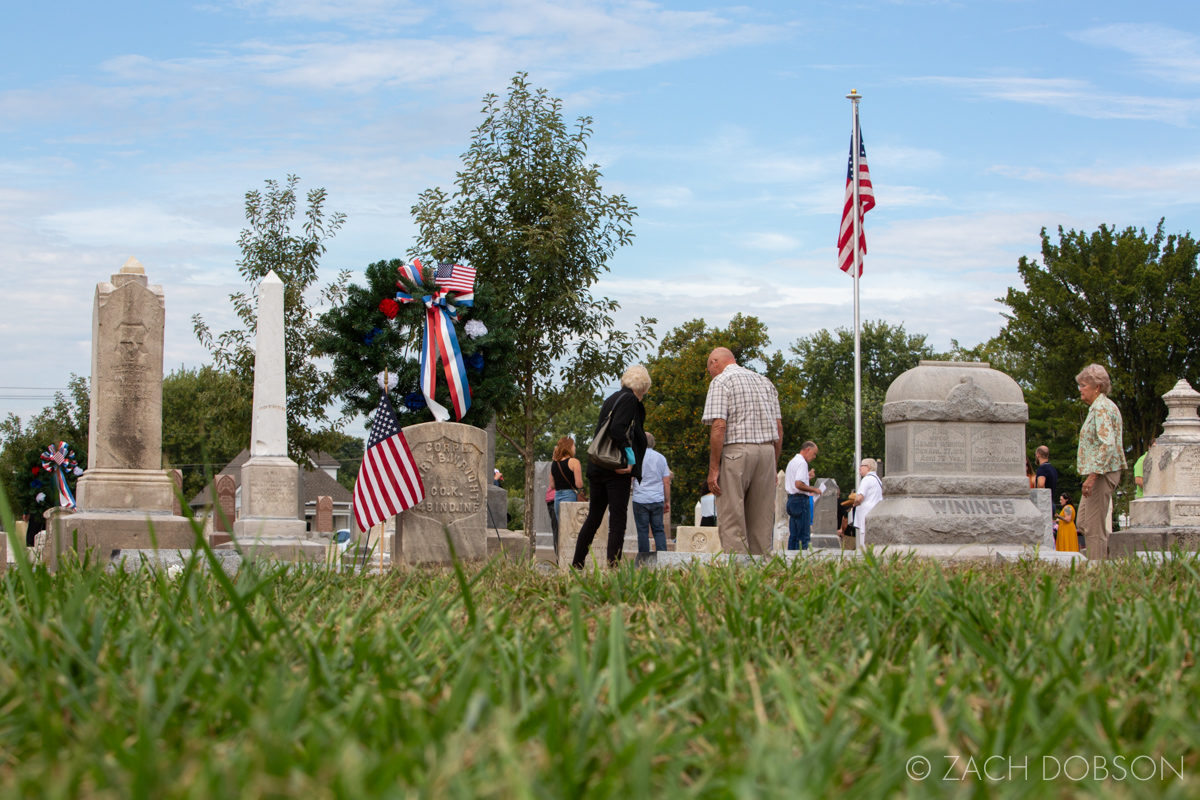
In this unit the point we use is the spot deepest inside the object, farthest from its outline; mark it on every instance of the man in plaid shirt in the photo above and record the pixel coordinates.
(744, 446)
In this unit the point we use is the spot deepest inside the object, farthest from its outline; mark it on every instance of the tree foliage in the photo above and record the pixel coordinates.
(675, 403)
(826, 359)
(21, 446)
(270, 242)
(206, 422)
(530, 214)
(1123, 299)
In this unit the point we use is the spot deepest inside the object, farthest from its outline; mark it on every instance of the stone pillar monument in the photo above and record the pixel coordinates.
(269, 524)
(955, 444)
(1168, 515)
(125, 491)
(451, 458)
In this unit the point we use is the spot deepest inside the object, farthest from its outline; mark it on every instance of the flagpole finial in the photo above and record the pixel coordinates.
(854, 96)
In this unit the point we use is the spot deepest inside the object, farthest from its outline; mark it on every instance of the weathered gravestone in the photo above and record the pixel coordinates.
(270, 524)
(779, 534)
(225, 510)
(451, 458)
(824, 527)
(1168, 515)
(956, 484)
(697, 539)
(125, 499)
(571, 517)
(323, 519)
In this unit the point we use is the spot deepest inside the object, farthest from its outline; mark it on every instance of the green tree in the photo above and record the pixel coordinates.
(270, 243)
(675, 403)
(826, 359)
(530, 215)
(206, 422)
(21, 446)
(1123, 299)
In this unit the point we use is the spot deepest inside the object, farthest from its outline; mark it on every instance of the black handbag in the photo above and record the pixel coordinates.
(603, 452)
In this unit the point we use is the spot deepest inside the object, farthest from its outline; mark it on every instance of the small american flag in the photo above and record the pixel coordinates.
(866, 201)
(388, 481)
(455, 278)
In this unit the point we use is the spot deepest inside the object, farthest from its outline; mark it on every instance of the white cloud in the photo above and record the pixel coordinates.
(1159, 51)
(771, 242)
(1075, 97)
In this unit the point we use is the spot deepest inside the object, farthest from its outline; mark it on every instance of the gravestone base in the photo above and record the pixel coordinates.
(1148, 539)
(825, 541)
(101, 489)
(420, 540)
(278, 548)
(512, 545)
(957, 521)
(956, 552)
(102, 532)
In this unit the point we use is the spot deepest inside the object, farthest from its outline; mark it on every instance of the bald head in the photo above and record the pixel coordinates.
(719, 359)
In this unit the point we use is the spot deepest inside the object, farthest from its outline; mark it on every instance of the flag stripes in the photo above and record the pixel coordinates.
(866, 201)
(388, 481)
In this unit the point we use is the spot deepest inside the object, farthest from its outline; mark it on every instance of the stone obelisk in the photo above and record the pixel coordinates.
(269, 524)
(125, 499)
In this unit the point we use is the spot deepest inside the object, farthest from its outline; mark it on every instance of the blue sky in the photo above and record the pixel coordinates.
(134, 129)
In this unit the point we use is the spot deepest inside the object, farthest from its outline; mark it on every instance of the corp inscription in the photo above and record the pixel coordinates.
(456, 491)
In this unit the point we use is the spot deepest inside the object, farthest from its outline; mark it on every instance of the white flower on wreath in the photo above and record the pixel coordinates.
(475, 328)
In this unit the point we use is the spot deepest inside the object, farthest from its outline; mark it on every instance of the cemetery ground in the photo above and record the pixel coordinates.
(868, 678)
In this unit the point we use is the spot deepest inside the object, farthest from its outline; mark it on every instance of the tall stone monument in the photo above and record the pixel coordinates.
(1168, 515)
(956, 484)
(451, 458)
(125, 500)
(269, 524)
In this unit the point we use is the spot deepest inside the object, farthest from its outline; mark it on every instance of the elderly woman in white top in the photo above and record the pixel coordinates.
(870, 489)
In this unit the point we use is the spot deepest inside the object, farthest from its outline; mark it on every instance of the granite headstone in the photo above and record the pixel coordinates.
(450, 457)
(955, 449)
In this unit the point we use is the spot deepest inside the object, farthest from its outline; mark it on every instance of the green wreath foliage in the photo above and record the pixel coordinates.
(362, 342)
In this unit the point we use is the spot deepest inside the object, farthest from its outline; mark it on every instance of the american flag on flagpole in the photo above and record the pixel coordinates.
(866, 201)
(388, 481)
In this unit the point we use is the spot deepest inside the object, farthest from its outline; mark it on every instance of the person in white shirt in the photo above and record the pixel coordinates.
(652, 499)
(870, 492)
(799, 507)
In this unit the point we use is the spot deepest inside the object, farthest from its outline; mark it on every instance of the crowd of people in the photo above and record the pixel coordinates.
(745, 445)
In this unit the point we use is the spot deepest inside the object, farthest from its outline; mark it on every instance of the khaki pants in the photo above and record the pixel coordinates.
(746, 507)
(1094, 513)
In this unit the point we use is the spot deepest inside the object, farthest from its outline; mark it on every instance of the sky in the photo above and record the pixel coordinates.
(134, 129)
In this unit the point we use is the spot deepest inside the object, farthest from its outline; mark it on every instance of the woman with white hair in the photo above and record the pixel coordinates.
(1100, 459)
(610, 488)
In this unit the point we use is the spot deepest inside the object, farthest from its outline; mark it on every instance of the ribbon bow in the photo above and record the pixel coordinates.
(60, 459)
(456, 287)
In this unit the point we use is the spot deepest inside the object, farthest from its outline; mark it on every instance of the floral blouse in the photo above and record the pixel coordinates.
(1100, 439)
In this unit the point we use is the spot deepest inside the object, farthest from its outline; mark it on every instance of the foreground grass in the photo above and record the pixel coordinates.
(790, 680)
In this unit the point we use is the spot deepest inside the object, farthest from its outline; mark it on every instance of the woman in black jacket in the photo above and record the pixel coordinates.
(610, 488)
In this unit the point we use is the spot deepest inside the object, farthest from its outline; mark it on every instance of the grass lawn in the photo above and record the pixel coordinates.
(789, 680)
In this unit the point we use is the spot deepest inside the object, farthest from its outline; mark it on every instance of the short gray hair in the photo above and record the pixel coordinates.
(871, 463)
(649, 439)
(1095, 375)
(636, 378)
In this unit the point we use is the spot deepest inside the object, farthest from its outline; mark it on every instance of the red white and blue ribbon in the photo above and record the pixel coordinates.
(456, 287)
(60, 459)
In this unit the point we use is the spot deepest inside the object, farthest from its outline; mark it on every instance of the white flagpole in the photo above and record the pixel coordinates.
(855, 146)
